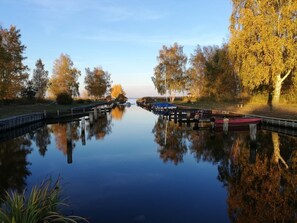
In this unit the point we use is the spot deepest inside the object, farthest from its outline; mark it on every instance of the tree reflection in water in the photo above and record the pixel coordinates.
(171, 140)
(13, 163)
(42, 139)
(260, 178)
(117, 113)
(60, 133)
(263, 190)
(100, 128)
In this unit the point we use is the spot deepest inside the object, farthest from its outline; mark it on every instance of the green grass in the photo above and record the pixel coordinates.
(40, 205)
(285, 111)
(20, 109)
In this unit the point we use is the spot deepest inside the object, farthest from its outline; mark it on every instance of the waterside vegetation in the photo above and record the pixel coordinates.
(42, 204)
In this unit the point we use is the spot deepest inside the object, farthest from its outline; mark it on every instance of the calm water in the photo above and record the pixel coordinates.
(132, 166)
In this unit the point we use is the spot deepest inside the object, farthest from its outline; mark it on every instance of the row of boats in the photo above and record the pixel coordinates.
(219, 120)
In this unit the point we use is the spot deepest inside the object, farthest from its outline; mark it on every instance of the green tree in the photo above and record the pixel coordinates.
(97, 82)
(40, 79)
(13, 74)
(170, 73)
(64, 78)
(263, 43)
(29, 91)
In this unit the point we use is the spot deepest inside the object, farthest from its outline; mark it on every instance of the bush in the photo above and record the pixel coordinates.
(64, 99)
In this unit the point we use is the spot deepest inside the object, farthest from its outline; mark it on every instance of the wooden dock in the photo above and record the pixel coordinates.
(196, 115)
(27, 119)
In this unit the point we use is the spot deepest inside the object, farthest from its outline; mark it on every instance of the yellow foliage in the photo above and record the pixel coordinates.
(116, 90)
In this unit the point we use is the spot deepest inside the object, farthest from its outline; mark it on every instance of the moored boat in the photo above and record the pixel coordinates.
(237, 122)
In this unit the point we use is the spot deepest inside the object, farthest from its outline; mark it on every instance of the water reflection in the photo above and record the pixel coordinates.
(13, 163)
(265, 189)
(99, 128)
(41, 138)
(171, 140)
(118, 112)
(260, 177)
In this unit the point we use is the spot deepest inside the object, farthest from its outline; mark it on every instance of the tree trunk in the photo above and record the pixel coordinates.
(277, 90)
(276, 150)
(278, 87)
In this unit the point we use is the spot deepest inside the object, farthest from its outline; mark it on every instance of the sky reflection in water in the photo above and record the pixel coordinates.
(136, 167)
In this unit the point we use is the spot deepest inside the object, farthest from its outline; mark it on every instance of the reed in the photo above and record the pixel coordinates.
(42, 204)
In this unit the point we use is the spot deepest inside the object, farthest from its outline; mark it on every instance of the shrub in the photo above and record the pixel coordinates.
(64, 99)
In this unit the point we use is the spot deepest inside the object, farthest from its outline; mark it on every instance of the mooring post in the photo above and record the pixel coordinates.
(69, 142)
(91, 118)
(58, 113)
(169, 115)
(188, 116)
(175, 115)
(95, 113)
(253, 132)
(225, 125)
(44, 113)
(83, 131)
(180, 116)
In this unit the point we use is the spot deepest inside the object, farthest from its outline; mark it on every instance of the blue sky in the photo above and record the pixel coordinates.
(122, 36)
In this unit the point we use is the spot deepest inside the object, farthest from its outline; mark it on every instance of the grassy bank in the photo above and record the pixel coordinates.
(50, 107)
(253, 106)
(286, 111)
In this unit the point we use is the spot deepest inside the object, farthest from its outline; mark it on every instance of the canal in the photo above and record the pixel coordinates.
(133, 166)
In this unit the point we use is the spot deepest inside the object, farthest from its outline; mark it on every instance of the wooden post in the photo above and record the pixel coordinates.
(175, 116)
(91, 118)
(169, 116)
(58, 113)
(69, 142)
(225, 126)
(95, 113)
(188, 116)
(180, 116)
(253, 132)
(83, 131)
(44, 113)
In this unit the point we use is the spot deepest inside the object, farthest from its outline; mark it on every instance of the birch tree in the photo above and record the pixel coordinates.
(97, 82)
(170, 73)
(263, 43)
(65, 77)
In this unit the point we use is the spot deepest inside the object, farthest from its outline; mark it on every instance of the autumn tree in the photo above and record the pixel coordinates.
(196, 73)
(116, 91)
(211, 73)
(97, 82)
(13, 74)
(169, 74)
(263, 43)
(64, 78)
(40, 79)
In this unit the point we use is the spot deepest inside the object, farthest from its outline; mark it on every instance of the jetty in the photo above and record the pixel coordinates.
(15, 122)
(206, 117)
